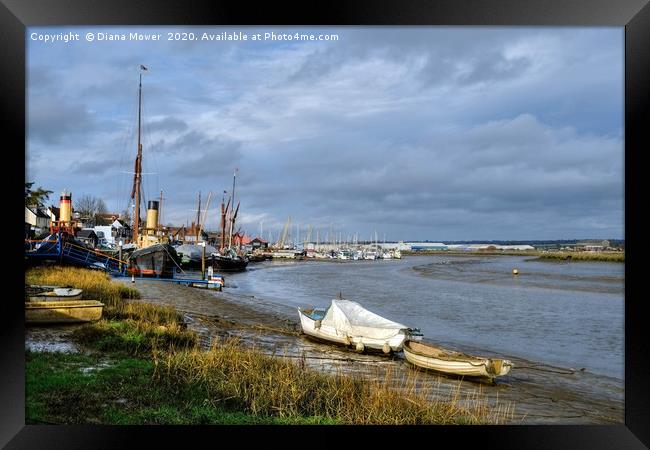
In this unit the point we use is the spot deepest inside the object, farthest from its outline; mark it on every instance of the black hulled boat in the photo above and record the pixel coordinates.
(229, 261)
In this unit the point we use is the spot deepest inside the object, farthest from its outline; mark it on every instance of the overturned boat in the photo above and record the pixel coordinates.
(452, 362)
(348, 323)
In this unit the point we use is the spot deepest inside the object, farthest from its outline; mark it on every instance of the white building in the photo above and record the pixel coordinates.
(37, 218)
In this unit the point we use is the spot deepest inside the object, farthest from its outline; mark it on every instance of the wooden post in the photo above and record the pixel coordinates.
(120, 257)
(203, 261)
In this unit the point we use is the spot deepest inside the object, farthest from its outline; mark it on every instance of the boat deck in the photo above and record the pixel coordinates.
(314, 314)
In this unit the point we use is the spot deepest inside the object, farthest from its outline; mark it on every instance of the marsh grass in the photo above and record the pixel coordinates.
(93, 389)
(572, 256)
(584, 256)
(96, 285)
(163, 376)
(245, 379)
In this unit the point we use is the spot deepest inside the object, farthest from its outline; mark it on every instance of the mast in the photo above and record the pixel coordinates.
(135, 193)
(160, 221)
(224, 213)
(223, 221)
(232, 220)
(198, 218)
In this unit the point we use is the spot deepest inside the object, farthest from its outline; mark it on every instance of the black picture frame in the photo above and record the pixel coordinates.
(634, 15)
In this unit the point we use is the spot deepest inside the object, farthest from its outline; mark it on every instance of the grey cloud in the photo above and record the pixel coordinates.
(94, 167)
(206, 156)
(168, 123)
(450, 137)
(52, 119)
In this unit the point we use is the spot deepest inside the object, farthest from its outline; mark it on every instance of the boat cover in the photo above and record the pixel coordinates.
(354, 320)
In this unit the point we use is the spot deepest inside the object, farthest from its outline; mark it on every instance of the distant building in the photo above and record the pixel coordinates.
(89, 237)
(515, 247)
(423, 246)
(120, 231)
(54, 213)
(105, 234)
(259, 243)
(38, 219)
(106, 218)
(592, 245)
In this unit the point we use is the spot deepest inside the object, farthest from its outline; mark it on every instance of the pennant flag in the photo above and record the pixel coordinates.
(143, 67)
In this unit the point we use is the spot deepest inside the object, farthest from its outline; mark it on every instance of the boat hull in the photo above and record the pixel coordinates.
(453, 363)
(315, 329)
(228, 264)
(158, 260)
(63, 311)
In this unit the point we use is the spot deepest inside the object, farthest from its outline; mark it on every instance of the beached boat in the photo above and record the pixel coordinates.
(63, 311)
(157, 260)
(454, 363)
(348, 323)
(51, 293)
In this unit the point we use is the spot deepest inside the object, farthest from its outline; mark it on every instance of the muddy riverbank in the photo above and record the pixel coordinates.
(537, 393)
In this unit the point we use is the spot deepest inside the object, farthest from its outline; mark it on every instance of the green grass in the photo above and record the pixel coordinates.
(134, 337)
(149, 369)
(61, 389)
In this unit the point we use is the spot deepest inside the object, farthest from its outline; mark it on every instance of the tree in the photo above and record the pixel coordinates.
(89, 207)
(126, 216)
(36, 197)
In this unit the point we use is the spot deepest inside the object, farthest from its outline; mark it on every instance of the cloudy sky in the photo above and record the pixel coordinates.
(439, 133)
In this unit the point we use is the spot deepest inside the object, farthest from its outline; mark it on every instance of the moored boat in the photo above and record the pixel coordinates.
(62, 311)
(452, 362)
(190, 254)
(348, 323)
(229, 261)
(157, 260)
(256, 257)
(153, 256)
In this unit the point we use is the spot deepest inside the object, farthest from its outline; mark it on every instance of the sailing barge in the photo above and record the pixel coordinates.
(227, 259)
(153, 256)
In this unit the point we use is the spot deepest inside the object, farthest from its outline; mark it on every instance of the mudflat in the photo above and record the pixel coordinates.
(540, 394)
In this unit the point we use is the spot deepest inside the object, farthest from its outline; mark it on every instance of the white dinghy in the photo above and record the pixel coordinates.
(454, 363)
(348, 323)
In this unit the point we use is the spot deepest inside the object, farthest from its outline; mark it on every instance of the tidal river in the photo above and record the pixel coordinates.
(566, 314)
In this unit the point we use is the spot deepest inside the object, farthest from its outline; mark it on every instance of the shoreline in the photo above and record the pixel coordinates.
(536, 255)
(541, 393)
(536, 393)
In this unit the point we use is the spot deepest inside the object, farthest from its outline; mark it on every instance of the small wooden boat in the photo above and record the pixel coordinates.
(63, 311)
(348, 323)
(51, 293)
(454, 363)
